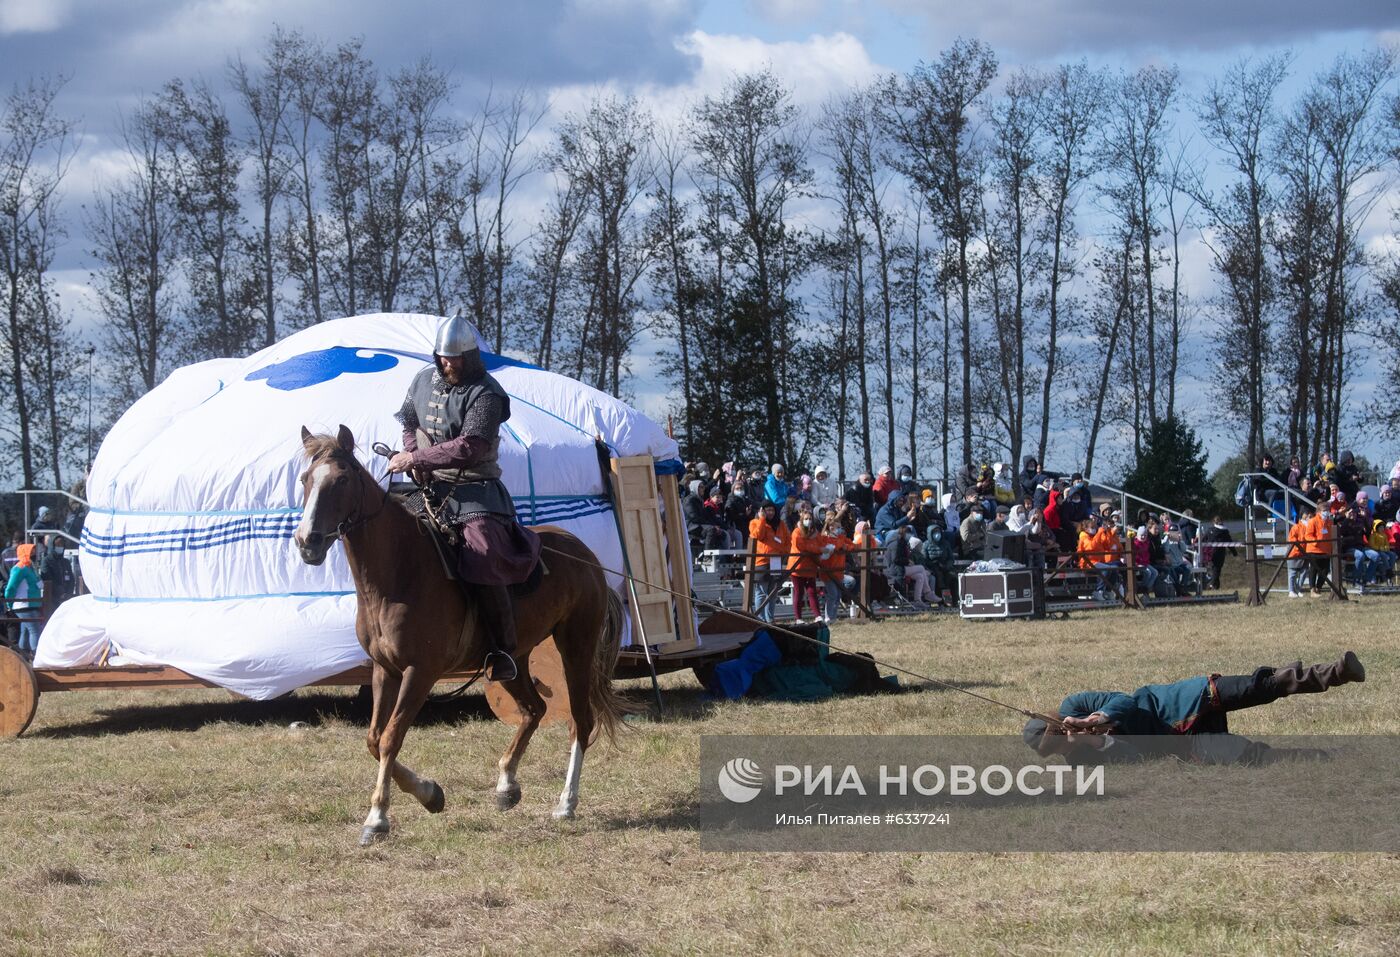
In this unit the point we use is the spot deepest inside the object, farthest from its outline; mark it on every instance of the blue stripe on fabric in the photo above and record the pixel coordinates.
(185, 545)
(243, 524)
(113, 600)
(549, 509)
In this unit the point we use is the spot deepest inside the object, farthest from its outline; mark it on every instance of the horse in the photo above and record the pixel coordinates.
(416, 625)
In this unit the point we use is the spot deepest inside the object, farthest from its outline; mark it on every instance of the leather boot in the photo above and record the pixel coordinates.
(1295, 679)
(499, 622)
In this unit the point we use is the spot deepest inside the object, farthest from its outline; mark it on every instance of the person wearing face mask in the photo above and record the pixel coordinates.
(905, 477)
(862, 496)
(1039, 540)
(771, 538)
(973, 533)
(825, 488)
(835, 580)
(776, 489)
(1388, 505)
(738, 507)
(1108, 549)
(893, 514)
(885, 485)
(1178, 560)
(803, 565)
(900, 564)
(937, 556)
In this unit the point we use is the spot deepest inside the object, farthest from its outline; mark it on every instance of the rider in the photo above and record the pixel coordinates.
(451, 421)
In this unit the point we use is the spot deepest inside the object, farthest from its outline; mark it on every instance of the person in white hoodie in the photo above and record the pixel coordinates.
(825, 488)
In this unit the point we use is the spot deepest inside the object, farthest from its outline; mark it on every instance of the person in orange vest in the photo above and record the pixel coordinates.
(808, 544)
(1085, 549)
(770, 538)
(1318, 547)
(1297, 558)
(834, 578)
(1107, 550)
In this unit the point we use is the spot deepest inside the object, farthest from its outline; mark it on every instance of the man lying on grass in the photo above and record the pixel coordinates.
(1185, 718)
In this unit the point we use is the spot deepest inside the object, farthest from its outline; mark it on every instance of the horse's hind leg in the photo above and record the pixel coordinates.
(527, 698)
(413, 691)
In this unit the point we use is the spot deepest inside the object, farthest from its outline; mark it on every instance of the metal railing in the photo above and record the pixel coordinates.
(1290, 495)
(1124, 497)
(29, 531)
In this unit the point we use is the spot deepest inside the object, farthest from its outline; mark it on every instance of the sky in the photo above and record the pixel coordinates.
(669, 53)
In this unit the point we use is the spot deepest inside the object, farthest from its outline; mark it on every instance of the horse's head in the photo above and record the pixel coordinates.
(331, 492)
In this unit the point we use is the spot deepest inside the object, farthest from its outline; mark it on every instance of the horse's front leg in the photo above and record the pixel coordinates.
(527, 699)
(386, 738)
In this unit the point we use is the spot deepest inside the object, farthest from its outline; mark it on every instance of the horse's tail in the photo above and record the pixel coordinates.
(608, 708)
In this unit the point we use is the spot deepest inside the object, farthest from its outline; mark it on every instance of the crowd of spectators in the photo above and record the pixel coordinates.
(1326, 501)
(814, 527)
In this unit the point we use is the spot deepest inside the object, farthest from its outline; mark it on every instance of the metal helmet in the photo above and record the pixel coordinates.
(455, 337)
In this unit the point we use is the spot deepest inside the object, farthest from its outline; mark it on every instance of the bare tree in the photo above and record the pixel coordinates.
(306, 77)
(1141, 122)
(35, 150)
(349, 112)
(1115, 283)
(749, 144)
(1013, 250)
(265, 95)
(201, 163)
(132, 226)
(607, 152)
(928, 114)
(1237, 116)
(1074, 106)
(547, 274)
(844, 123)
(675, 278)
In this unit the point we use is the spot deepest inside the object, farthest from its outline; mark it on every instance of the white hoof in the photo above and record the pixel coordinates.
(563, 813)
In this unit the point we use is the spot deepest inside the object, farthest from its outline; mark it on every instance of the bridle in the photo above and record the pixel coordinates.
(355, 519)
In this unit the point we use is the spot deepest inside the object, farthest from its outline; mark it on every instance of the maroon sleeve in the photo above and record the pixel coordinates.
(410, 440)
(460, 453)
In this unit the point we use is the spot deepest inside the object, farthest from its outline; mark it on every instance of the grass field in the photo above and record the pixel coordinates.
(193, 823)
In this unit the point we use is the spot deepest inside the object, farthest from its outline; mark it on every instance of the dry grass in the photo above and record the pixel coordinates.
(193, 823)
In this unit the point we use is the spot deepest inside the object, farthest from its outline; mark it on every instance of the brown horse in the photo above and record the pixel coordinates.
(410, 620)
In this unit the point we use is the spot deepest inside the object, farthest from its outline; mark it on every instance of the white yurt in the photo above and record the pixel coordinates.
(194, 498)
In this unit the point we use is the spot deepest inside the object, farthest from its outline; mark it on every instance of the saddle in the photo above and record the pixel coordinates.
(447, 541)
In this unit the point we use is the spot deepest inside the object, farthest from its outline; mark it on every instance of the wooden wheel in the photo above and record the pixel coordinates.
(19, 693)
(547, 670)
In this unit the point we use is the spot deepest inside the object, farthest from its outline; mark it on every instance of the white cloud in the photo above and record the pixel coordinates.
(812, 69)
(32, 16)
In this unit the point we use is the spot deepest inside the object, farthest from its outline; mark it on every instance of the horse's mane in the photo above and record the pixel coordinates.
(328, 446)
(319, 445)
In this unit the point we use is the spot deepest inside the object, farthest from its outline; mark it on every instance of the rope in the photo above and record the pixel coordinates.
(809, 639)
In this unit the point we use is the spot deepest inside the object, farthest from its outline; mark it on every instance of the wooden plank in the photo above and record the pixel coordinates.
(634, 491)
(678, 551)
(162, 676)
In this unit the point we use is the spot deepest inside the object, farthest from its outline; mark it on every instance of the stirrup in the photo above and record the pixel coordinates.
(500, 666)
